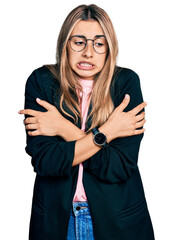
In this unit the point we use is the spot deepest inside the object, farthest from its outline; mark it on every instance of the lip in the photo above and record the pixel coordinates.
(86, 67)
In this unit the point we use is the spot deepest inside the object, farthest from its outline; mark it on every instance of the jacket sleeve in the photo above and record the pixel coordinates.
(51, 155)
(117, 162)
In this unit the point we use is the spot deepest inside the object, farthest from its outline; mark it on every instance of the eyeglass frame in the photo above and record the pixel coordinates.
(86, 39)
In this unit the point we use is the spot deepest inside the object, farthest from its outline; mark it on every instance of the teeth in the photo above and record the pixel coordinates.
(85, 64)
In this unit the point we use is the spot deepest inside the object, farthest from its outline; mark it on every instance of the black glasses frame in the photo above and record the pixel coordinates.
(86, 39)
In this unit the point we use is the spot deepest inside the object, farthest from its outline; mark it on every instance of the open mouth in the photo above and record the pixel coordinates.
(85, 65)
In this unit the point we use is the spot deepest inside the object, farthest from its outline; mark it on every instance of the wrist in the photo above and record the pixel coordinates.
(71, 132)
(105, 130)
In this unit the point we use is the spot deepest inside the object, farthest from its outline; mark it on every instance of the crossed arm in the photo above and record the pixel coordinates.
(54, 154)
(68, 131)
(84, 146)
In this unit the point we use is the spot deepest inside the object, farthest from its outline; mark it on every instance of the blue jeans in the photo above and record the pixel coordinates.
(80, 225)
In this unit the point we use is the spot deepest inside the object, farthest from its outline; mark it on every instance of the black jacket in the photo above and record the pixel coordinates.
(111, 177)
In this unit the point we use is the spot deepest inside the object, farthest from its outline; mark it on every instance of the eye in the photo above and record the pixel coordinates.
(79, 43)
(99, 44)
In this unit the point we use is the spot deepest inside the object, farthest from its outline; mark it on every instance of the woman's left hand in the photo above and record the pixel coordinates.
(48, 123)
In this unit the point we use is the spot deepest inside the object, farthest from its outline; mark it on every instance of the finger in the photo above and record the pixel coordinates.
(124, 103)
(29, 112)
(140, 116)
(34, 133)
(45, 104)
(140, 124)
(29, 120)
(137, 132)
(138, 108)
(31, 126)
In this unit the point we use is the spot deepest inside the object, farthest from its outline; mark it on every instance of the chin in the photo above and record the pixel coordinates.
(89, 77)
(85, 75)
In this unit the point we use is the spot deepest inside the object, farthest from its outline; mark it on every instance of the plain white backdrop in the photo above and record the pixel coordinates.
(29, 32)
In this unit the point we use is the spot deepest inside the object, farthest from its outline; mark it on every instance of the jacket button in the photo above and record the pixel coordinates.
(78, 208)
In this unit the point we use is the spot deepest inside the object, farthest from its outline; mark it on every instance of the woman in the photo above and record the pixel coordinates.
(84, 137)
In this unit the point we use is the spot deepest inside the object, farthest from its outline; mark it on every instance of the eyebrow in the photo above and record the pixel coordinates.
(96, 36)
(100, 36)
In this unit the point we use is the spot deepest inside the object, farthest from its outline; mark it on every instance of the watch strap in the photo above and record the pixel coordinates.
(95, 130)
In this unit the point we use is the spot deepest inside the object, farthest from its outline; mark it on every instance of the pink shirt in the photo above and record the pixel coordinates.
(87, 85)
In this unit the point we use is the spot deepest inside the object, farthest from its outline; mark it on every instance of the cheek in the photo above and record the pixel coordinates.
(71, 60)
(101, 62)
(70, 57)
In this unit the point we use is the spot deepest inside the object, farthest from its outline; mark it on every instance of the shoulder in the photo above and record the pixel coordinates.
(123, 75)
(125, 80)
(41, 81)
(41, 75)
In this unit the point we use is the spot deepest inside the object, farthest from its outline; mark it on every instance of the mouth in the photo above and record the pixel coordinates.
(85, 65)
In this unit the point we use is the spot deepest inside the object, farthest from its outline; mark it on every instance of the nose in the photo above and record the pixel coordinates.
(88, 51)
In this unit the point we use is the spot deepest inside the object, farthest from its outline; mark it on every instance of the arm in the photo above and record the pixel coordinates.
(51, 155)
(71, 132)
(84, 147)
(117, 162)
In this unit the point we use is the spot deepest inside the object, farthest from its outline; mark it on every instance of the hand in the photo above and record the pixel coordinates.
(47, 123)
(123, 124)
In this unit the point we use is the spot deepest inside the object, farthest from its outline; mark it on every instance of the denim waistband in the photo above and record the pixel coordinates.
(79, 208)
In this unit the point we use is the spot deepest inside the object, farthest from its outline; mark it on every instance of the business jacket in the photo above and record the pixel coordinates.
(111, 177)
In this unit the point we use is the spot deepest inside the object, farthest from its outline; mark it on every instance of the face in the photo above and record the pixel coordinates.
(86, 63)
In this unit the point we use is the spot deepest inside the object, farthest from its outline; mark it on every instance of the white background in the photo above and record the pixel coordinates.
(29, 32)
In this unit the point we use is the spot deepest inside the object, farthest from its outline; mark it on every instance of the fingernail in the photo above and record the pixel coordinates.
(146, 102)
(38, 99)
(19, 111)
(126, 96)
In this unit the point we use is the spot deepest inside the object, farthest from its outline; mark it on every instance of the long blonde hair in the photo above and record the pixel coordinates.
(102, 104)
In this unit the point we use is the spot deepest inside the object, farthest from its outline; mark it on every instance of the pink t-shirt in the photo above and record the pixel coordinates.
(87, 85)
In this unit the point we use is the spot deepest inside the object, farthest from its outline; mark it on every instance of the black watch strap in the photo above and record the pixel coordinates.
(95, 130)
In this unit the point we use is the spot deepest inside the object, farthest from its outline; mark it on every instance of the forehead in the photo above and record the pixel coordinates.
(89, 29)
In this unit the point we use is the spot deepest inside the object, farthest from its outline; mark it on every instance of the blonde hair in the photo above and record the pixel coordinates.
(102, 104)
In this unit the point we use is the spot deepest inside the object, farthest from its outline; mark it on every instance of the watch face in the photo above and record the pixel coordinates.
(100, 138)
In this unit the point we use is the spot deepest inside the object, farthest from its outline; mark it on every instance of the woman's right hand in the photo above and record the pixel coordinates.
(123, 124)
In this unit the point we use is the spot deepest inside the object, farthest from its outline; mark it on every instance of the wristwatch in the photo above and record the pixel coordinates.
(99, 138)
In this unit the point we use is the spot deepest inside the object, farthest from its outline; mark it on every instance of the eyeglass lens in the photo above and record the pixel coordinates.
(79, 43)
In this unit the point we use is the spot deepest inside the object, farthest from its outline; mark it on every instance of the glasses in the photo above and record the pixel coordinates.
(79, 42)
